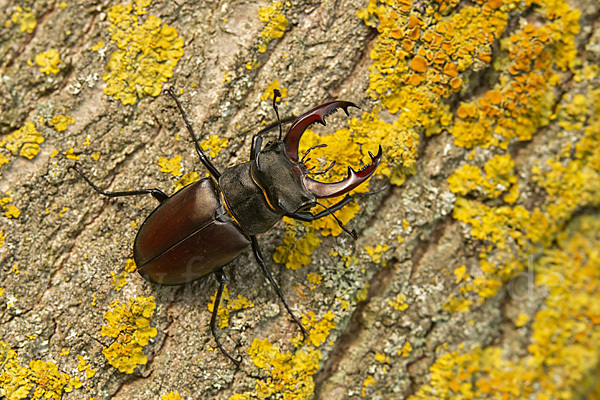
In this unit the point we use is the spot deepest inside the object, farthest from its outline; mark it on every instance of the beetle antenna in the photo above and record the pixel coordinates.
(211, 168)
(324, 171)
(276, 94)
(349, 232)
(93, 338)
(309, 150)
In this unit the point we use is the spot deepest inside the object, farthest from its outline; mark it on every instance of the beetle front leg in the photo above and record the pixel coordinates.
(156, 193)
(213, 319)
(261, 262)
(308, 217)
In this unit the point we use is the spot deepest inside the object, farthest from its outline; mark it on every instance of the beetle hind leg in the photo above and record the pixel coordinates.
(213, 319)
(261, 262)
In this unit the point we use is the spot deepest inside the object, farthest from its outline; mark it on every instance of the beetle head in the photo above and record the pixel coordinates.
(285, 180)
(281, 179)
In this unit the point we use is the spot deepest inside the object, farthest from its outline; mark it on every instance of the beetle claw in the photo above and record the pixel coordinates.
(318, 114)
(354, 178)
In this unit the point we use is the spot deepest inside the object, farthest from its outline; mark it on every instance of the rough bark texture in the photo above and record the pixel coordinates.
(57, 256)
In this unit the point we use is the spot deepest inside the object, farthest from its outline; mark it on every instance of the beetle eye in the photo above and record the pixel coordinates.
(269, 143)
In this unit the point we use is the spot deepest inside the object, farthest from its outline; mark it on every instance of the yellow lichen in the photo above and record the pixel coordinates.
(499, 178)
(276, 23)
(171, 166)
(129, 326)
(172, 396)
(314, 278)
(522, 320)
(61, 122)
(399, 303)
(376, 253)
(214, 144)
(228, 304)
(185, 180)
(98, 46)
(268, 93)
(83, 366)
(48, 61)
(25, 19)
(369, 381)
(295, 252)
(24, 141)
(405, 350)
(10, 211)
(130, 265)
(289, 375)
(70, 154)
(40, 380)
(563, 354)
(147, 53)
(119, 280)
(318, 329)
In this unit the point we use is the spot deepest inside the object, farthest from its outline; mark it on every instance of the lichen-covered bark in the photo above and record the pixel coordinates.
(476, 274)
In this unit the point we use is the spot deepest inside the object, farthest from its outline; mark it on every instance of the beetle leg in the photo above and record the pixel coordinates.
(213, 319)
(156, 193)
(261, 262)
(307, 216)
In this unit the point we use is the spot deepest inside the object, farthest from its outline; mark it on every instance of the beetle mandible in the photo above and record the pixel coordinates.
(208, 223)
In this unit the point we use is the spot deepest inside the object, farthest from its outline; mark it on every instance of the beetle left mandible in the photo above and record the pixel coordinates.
(207, 224)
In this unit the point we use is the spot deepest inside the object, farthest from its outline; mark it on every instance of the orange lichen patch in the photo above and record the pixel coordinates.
(418, 64)
(147, 54)
(131, 330)
(276, 23)
(514, 233)
(440, 47)
(24, 141)
(25, 19)
(564, 351)
(40, 380)
(49, 61)
(523, 101)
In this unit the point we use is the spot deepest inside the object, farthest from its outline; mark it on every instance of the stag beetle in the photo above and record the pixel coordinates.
(207, 224)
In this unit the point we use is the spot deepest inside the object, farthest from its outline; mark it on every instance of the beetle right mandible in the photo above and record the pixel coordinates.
(207, 224)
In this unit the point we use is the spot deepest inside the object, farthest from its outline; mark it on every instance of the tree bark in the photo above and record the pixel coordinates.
(464, 275)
